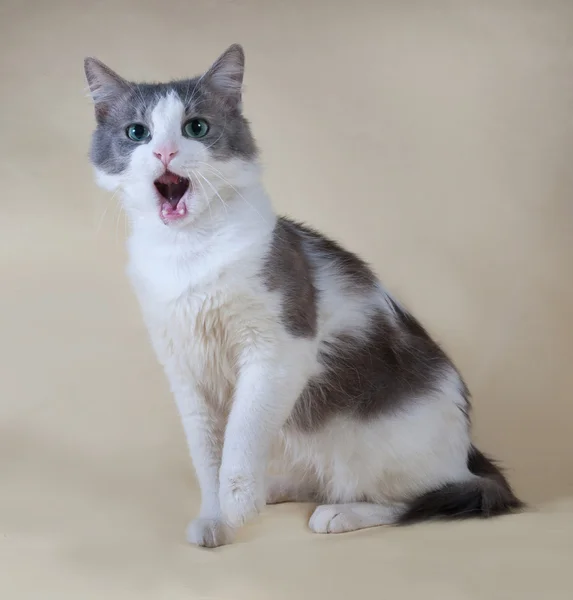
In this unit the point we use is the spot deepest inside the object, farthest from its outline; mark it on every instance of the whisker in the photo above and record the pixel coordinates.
(117, 225)
(214, 189)
(137, 89)
(195, 91)
(193, 174)
(187, 93)
(105, 211)
(102, 218)
(218, 174)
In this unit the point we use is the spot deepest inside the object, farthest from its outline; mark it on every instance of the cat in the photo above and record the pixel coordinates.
(297, 376)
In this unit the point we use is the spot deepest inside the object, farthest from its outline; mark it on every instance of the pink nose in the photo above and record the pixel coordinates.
(165, 155)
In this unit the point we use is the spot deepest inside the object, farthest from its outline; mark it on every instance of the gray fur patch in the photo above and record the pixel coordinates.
(488, 495)
(288, 269)
(364, 378)
(356, 273)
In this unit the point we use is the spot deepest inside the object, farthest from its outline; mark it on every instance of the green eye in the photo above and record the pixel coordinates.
(137, 132)
(196, 128)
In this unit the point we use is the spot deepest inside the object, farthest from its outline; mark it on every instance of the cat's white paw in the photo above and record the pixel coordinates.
(209, 533)
(333, 518)
(242, 497)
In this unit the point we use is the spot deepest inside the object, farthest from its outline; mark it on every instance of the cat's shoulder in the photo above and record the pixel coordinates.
(323, 253)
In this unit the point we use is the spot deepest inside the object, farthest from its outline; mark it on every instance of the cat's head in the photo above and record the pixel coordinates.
(173, 148)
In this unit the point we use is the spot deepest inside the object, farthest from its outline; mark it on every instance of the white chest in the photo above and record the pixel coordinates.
(200, 334)
(197, 335)
(202, 310)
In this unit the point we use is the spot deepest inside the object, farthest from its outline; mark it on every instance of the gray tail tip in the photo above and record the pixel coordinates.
(487, 494)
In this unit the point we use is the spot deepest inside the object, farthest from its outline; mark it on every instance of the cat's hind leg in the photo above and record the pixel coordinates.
(339, 518)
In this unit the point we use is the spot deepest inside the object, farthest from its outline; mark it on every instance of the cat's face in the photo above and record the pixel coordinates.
(173, 148)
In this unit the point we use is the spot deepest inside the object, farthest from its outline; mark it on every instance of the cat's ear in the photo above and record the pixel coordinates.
(105, 85)
(226, 74)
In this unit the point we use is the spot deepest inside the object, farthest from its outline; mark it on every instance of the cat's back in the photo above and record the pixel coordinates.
(322, 283)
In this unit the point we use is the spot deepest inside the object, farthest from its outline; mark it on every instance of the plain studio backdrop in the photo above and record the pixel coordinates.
(435, 138)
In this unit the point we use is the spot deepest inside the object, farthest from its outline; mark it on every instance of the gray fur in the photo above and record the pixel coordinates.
(363, 377)
(396, 363)
(356, 273)
(119, 102)
(289, 270)
(380, 369)
(488, 495)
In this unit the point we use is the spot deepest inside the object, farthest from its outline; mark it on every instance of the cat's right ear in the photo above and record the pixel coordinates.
(226, 74)
(105, 86)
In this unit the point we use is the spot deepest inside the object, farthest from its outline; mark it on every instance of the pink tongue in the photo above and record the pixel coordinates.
(173, 214)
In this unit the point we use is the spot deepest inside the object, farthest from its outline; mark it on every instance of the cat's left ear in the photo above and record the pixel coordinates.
(226, 74)
(105, 86)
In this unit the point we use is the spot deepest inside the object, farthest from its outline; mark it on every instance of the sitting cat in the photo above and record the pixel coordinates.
(296, 374)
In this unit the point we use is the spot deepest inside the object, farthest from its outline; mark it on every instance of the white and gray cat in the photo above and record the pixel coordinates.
(297, 376)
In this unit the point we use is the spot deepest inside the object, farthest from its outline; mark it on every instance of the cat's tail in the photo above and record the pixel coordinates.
(486, 495)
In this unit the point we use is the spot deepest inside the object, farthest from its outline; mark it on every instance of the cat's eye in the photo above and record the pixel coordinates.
(196, 128)
(137, 132)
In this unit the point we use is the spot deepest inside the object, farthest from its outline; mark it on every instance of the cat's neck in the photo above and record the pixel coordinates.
(237, 231)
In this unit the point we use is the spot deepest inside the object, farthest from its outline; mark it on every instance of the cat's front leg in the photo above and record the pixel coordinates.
(204, 429)
(267, 389)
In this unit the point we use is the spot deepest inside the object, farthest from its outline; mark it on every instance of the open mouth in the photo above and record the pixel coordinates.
(171, 188)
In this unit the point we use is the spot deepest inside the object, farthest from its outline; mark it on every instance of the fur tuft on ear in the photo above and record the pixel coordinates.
(226, 74)
(105, 85)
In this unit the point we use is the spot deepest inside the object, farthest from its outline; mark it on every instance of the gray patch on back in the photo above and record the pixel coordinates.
(297, 251)
(351, 269)
(288, 269)
(363, 378)
(366, 373)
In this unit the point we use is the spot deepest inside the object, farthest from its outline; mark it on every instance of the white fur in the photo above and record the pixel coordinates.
(234, 370)
(338, 518)
(388, 459)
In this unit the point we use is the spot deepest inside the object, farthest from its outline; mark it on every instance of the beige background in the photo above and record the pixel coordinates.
(433, 137)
